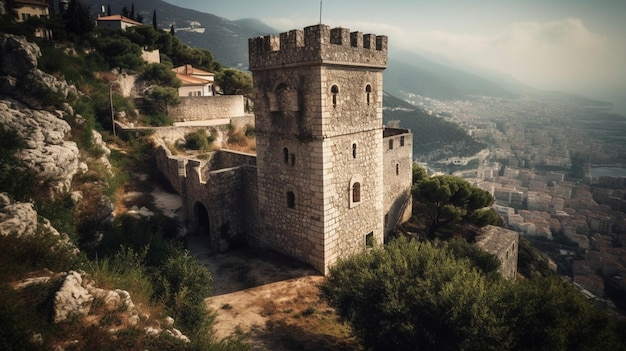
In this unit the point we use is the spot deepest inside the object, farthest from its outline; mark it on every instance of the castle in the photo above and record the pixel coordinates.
(328, 179)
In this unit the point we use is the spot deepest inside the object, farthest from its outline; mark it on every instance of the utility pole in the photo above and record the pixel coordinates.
(112, 112)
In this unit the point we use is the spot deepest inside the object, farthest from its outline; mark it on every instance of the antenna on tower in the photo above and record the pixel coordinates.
(320, 11)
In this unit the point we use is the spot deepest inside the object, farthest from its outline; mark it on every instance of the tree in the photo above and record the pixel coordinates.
(154, 21)
(78, 19)
(233, 81)
(132, 11)
(109, 10)
(160, 74)
(416, 296)
(125, 11)
(172, 31)
(446, 199)
(549, 314)
(163, 97)
(119, 52)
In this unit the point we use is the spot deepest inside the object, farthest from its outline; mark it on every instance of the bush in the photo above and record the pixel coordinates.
(198, 140)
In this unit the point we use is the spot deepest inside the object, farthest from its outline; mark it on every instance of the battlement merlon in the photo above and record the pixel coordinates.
(316, 45)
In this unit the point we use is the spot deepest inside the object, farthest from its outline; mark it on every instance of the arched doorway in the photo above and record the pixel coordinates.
(201, 216)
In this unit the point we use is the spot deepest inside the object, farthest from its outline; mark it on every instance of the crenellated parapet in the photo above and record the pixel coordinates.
(318, 44)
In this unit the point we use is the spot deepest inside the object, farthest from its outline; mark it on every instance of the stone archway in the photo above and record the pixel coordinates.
(202, 222)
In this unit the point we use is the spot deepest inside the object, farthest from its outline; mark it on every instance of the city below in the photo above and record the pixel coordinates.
(557, 172)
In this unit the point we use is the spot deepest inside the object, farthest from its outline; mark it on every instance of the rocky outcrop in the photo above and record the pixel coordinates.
(45, 151)
(72, 300)
(19, 76)
(21, 219)
(76, 297)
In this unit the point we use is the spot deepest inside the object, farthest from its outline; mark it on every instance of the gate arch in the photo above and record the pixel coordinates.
(201, 219)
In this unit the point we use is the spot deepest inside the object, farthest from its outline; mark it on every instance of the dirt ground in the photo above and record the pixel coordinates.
(273, 300)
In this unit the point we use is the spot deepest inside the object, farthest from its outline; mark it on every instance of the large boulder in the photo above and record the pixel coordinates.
(72, 300)
(19, 76)
(46, 151)
(19, 218)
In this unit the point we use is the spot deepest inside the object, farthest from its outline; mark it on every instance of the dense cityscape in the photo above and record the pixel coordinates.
(556, 171)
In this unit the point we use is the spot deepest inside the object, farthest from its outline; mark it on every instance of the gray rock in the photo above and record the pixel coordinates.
(46, 151)
(72, 299)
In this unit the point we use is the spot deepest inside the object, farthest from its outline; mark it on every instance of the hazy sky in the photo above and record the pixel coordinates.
(570, 45)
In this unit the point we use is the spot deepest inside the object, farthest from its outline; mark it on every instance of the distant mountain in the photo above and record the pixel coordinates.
(410, 73)
(433, 137)
(256, 25)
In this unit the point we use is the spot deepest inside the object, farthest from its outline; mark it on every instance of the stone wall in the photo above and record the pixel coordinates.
(503, 243)
(318, 109)
(219, 187)
(397, 178)
(199, 108)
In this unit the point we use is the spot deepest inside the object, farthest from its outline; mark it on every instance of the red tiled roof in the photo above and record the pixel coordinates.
(191, 80)
(119, 18)
(190, 70)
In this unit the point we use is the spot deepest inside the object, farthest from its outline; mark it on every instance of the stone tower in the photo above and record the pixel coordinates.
(319, 132)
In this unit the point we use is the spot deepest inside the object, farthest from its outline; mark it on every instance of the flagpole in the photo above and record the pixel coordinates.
(320, 11)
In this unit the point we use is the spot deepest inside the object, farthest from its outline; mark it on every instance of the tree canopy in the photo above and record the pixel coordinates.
(445, 199)
(233, 81)
(412, 295)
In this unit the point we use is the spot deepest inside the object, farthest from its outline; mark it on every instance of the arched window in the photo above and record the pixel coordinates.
(368, 92)
(356, 192)
(291, 199)
(334, 90)
(354, 150)
(286, 155)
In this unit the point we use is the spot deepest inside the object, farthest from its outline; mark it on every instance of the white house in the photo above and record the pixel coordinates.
(196, 82)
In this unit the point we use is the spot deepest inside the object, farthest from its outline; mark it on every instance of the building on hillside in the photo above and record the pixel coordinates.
(117, 22)
(328, 179)
(26, 9)
(195, 82)
(502, 243)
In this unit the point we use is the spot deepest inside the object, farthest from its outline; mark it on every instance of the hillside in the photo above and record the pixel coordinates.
(433, 137)
(225, 39)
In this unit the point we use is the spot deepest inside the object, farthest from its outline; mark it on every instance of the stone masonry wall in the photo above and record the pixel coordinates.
(318, 109)
(398, 174)
(199, 108)
(503, 243)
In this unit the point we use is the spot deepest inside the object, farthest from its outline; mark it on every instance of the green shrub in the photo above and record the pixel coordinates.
(198, 140)
(17, 180)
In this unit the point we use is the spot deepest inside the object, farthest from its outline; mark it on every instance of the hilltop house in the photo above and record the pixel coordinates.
(117, 22)
(196, 82)
(26, 9)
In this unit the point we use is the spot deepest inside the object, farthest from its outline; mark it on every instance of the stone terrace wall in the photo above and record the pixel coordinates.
(199, 108)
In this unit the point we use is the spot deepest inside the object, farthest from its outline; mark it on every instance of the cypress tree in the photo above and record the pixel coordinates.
(172, 31)
(132, 11)
(154, 21)
(109, 10)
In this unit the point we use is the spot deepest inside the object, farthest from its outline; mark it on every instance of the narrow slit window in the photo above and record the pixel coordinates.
(391, 144)
(353, 150)
(334, 90)
(286, 155)
(368, 92)
(293, 159)
(397, 168)
(356, 192)
(369, 240)
(291, 199)
(402, 141)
